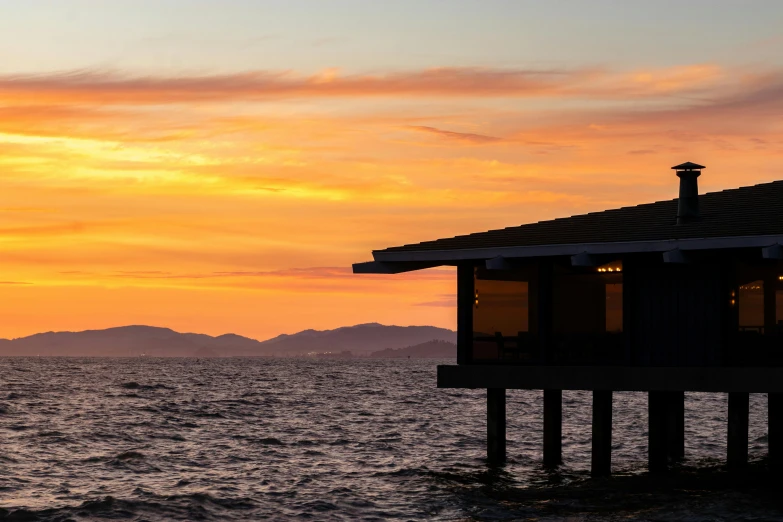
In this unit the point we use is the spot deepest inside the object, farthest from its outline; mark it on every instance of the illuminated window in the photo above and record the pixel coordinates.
(614, 307)
(751, 306)
(779, 309)
(501, 316)
(589, 301)
(779, 306)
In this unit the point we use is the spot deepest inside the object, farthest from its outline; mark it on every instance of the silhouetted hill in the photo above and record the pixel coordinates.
(123, 341)
(429, 350)
(359, 339)
(132, 341)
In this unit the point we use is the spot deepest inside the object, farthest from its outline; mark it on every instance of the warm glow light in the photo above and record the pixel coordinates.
(209, 195)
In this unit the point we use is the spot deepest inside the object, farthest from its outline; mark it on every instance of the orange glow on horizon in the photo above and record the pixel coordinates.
(237, 202)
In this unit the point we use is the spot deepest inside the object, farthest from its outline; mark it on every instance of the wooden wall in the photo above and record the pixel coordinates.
(678, 313)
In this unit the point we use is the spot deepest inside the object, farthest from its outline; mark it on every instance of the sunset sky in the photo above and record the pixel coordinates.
(216, 166)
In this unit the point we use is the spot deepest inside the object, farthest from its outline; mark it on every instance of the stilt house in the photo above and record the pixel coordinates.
(666, 297)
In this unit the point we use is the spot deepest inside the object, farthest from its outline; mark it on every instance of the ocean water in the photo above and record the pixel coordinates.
(287, 439)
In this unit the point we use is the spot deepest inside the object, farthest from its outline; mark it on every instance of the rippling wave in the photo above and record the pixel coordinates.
(249, 439)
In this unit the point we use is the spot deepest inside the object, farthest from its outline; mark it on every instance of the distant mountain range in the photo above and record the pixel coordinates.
(428, 350)
(133, 341)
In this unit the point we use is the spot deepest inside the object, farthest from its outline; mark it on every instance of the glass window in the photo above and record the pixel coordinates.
(614, 307)
(589, 301)
(588, 314)
(751, 307)
(501, 315)
(779, 305)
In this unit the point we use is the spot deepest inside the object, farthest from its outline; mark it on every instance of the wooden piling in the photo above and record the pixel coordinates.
(737, 444)
(496, 425)
(602, 433)
(553, 428)
(657, 453)
(775, 430)
(675, 425)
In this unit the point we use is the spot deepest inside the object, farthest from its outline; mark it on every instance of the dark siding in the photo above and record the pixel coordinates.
(676, 316)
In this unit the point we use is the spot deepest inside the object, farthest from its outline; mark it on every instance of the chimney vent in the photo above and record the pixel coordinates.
(688, 203)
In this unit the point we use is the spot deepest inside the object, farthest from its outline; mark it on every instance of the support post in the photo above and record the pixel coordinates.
(544, 311)
(553, 428)
(496, 425)
(657, 433)
(602, 433)
(465, 303)
(737, 444)
(675, 425)
(775, 430)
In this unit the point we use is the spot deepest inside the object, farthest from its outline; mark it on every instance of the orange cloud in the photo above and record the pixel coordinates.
(464, 137)
(102, 87)
(96, 87)
(213, 216)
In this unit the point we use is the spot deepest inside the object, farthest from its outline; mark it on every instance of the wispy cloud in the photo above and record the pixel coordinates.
(98, 87)
(307, 273)
(463, 137)
(443, 301)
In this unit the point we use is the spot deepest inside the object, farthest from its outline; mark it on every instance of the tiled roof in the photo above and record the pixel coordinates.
(746, 211)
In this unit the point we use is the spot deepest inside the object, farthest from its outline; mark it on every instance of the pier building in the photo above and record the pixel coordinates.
(676, 296)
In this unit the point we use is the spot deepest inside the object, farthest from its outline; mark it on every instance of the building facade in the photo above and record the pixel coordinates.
(667, 297)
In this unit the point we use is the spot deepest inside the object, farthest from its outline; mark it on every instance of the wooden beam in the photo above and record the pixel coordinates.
(585, 259)
(499, 263)
(553, 428)
(772, 252)
(676, 256)
(719, 379)
(737, 443)
(380, 267)
(601, 465)
(590, 259)
(496, 425)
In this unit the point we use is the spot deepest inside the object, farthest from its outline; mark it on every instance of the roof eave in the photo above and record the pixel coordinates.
(570, 249)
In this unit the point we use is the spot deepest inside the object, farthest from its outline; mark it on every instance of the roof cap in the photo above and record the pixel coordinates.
(688, 166)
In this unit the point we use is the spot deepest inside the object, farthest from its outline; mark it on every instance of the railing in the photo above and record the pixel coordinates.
(525, 348)
(752, 347)
(589, 349)
(520, 348)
